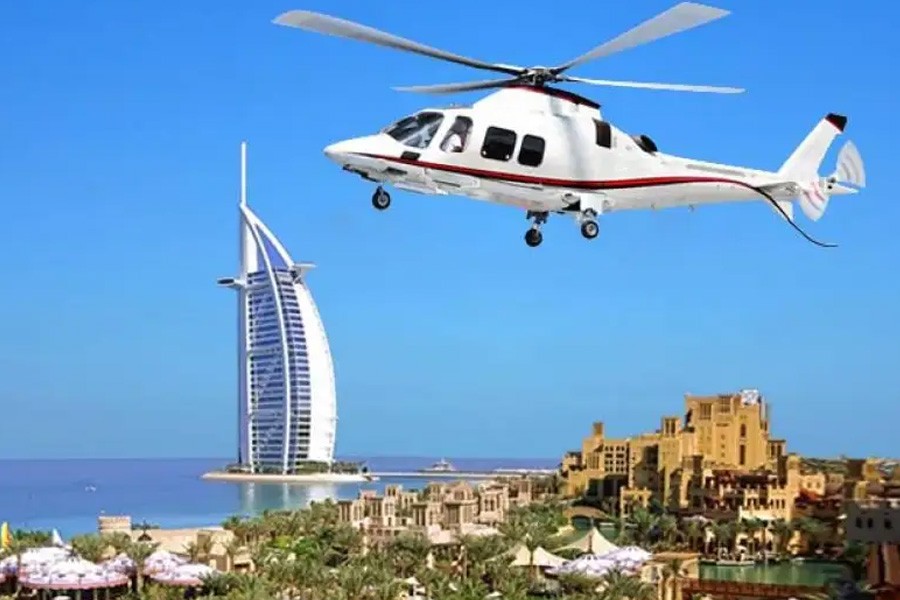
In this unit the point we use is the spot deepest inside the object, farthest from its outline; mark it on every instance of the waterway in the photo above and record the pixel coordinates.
(812, 573)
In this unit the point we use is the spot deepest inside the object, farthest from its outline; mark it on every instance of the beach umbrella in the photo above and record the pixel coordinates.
(72, 574)
(188, 575)
(121, 563)
(162, 560)
(591, 565)
(33, 558)
(633, 553)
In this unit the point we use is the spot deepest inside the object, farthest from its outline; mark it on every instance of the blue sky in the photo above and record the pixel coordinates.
(119, 166)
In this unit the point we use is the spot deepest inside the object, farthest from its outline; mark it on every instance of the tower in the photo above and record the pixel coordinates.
(287, 413)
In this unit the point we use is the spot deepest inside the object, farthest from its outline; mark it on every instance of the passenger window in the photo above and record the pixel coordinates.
(457, 137)
(531, 154)
(498, 143)
(604, 134)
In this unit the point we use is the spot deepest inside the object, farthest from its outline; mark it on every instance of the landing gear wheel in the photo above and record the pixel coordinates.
(381, 199)
(590, 229)
(534, 237)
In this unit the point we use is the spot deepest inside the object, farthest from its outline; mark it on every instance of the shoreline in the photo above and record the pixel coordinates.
(297, 478)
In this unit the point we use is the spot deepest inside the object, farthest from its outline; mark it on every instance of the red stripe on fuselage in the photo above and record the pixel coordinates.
(581, 184)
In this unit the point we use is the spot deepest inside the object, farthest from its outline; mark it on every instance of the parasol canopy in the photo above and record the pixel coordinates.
(33, 558)
(72, 574)
(120, 563)
(185, 575)
(162, 560)
(630, 554)
(591, 565)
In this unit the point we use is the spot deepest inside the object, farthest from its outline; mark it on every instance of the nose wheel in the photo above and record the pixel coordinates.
(381, 199)
(590, 229)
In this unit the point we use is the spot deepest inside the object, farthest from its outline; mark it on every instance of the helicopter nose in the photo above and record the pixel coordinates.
(337, 151)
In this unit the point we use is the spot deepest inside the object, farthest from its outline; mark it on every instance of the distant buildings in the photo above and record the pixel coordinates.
(720, 462)
(286, 390)
(440, 512)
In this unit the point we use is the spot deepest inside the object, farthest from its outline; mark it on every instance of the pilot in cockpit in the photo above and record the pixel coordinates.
(456, 137)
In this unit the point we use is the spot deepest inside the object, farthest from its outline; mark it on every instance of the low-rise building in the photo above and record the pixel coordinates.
(440, 511)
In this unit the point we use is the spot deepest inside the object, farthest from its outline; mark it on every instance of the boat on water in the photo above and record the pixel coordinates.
(441, 466)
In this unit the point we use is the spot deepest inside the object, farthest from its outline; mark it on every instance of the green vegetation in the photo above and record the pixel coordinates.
(304, 468)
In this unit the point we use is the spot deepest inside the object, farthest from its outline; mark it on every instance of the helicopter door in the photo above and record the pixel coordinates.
(455, 142)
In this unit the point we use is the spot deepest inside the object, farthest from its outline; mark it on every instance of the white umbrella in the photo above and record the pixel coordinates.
(121, 563)
(591, 565)
(630, 553)
(186, 575)
(71, 574)
(162, 560)
(33, 558)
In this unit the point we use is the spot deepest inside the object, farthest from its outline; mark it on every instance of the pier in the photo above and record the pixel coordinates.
(496, 474)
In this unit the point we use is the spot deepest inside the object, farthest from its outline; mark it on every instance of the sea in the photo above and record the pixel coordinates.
(70, 495)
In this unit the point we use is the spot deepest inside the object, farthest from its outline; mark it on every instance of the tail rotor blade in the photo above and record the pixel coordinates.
(850, 167)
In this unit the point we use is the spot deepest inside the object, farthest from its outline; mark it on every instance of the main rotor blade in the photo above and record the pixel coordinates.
(678, 18)
(449, 88)
(677, 87)
(347, 29)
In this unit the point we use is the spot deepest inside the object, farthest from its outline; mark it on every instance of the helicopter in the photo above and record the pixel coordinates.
(546, 150)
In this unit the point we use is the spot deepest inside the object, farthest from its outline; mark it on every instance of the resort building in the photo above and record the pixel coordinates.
(718, 460)
(440, 512)
(286, 390)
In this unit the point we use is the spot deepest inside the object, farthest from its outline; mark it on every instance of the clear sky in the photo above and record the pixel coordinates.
(120, 126)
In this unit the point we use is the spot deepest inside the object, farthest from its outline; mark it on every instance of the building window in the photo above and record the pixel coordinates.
(603, 134)
(743, 430)
(498, 143)
(531, 154)
(742, 454)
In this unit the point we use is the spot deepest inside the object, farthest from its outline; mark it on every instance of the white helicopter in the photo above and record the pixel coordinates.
(546, 150)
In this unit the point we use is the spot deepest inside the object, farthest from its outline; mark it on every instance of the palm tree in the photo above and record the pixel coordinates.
(138, 553)
(407, 552)
(782, 530)
(722, 531)
(90, 547)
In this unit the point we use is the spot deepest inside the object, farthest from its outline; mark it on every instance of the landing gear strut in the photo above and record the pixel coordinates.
(533, 236)
(381, 199)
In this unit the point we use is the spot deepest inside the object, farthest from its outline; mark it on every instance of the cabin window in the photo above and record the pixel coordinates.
(604, 134)
(498, 143)
(531, 154)
(457, 137)
(416, 131)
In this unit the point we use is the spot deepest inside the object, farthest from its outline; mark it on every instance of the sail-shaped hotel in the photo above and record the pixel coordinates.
(287, 413)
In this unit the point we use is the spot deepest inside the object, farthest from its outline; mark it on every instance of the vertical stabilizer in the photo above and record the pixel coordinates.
(802, 167)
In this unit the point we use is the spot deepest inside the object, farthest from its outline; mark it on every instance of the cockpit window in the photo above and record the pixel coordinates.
(416, 131)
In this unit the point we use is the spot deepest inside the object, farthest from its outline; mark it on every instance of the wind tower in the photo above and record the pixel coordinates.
(287, 408)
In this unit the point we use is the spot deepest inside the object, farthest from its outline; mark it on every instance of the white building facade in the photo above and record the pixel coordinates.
(287, 408)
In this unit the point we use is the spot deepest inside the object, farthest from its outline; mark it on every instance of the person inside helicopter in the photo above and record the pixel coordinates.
(455, 141)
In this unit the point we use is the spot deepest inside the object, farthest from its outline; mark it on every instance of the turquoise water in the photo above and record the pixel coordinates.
(70, 494)
(785, 573)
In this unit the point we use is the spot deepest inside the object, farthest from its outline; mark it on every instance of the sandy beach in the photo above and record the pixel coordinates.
(275, 478)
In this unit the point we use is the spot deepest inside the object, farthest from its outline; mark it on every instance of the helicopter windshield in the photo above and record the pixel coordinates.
(416, 131)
